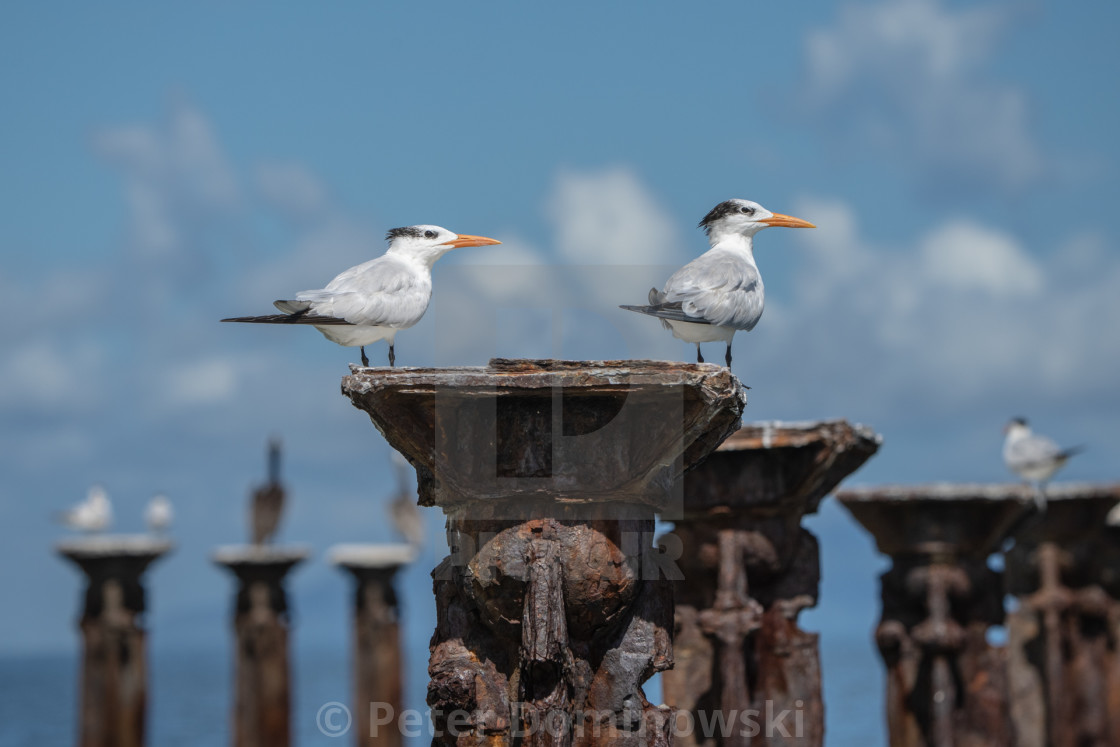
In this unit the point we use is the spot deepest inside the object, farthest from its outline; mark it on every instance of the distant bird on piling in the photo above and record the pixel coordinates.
(94, 514)
(719, 292)
(159, 515)
(404, 511)
(375, 300)
(267, 505)
(1033, 458)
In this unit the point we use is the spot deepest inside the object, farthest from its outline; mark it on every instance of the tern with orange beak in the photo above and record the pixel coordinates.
(719, 292)
(375, 300)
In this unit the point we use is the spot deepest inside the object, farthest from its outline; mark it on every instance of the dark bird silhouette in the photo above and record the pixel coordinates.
(268, 500)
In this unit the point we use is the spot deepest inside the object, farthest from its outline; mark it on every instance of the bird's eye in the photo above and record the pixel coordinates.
(746, 210)
(429, 234)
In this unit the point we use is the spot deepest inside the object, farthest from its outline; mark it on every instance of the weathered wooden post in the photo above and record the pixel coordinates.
(749, 569)
(553, 607)
(114, 688)
(1064, 635)
(378, 665)
(262, 673)
(946, 685)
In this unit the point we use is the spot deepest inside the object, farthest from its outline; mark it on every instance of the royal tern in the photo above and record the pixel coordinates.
(375, 300)
(158, 515)
(94, 514)
(719, 292)
(267, 505)
(1032, 457)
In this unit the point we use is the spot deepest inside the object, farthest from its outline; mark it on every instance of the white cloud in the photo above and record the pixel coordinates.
(176, 178)
(909, 77)
(201, 382)
(609, 217)
(955, 318)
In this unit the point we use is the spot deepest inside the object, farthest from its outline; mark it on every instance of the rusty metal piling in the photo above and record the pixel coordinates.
(749, 569)
(553, 607)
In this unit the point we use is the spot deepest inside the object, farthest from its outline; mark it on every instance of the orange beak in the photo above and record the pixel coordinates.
(465, 239)
(777, 219)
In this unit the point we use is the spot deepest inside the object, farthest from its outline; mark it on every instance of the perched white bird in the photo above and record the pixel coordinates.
(159, 515)
(1032, 457)
(94, 514)
(719, 292)
(375, 300)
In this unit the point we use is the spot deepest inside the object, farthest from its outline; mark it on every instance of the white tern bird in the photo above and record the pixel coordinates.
(94, 514)
(1032, 457)
(719, 292)
(375, 300)
(159, 514)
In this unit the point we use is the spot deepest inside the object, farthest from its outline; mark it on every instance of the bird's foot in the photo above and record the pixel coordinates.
(699, 355)
(392, 358)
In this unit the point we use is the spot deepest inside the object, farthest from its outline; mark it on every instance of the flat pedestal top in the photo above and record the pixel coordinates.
(937, 518)
(98, 546)
(248, 555)
(372, 556)
(567, 431)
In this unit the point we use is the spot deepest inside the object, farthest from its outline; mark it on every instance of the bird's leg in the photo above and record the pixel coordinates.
(392, 357)
(365, 360)
(728, 356)
(699, 355)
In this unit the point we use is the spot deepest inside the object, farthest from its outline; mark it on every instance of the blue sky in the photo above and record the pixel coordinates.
(164, 167)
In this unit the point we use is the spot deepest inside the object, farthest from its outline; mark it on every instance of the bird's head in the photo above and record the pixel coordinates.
(429, 243)
(744, 218)
(1016, 425)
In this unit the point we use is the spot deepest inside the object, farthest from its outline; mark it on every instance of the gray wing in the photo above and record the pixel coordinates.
(384, 292)
(717, 287)
(1032, 451)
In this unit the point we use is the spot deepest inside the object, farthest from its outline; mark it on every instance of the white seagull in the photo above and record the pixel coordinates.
(375, 300)
(719, 292)
(1034, 458)
(94, 514)
(159, 515)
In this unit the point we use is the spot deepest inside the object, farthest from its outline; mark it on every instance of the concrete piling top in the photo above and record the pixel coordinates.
(372, 556)
(249, 556)
(778, 467)
(139, 547)
(938, 518)
(564, 431)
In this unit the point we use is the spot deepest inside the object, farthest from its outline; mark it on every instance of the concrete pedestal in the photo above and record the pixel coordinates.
(114, 652)
(262, 673)
(378, 663)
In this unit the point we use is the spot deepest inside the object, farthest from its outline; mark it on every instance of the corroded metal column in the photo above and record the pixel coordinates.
(262, 708)
(377, 639)
(749, 568)
(114, 696)
(946, 685)
(1064, 635)
(552, 608)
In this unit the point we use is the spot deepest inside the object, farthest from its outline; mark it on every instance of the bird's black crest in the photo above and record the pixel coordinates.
(1019, 421)
(396, 233)
(721, 210)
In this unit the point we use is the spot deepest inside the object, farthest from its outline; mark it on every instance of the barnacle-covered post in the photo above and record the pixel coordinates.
(946, 685)
(114, 690)
(749, 569)
(1064, 634)
(262, 674)
(553, 608)
(378, 665)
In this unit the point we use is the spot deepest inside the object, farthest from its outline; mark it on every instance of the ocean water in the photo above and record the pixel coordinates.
(189, 696)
